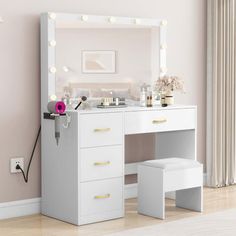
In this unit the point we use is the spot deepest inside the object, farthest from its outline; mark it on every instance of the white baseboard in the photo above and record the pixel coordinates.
(19, 208)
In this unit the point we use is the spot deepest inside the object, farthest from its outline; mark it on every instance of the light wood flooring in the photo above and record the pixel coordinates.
(214, 200)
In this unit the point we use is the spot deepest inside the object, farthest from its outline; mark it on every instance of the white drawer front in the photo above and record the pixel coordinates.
(101, 163)
(101, 129)
(159, 121)
(101, 196)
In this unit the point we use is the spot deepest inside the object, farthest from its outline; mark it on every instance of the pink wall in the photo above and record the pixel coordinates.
(20, 74)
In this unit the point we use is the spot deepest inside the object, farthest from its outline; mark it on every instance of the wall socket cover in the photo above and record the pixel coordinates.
(14, 162)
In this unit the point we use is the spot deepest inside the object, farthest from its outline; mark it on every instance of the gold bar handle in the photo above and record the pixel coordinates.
(102, 196)
(105, 163)
(159, 121)
(102, 129)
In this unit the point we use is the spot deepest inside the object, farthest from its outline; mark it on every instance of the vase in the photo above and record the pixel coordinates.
(169, 98)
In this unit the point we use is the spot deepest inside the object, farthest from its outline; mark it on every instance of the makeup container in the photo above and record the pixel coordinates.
(117, 101)
(143, 92)
(163, 102)
(149, 97)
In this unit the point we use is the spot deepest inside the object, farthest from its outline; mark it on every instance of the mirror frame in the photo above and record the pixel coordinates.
(50, 21)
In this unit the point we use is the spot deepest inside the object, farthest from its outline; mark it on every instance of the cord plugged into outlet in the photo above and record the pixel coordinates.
(19, 169)
(17, 166)
(15, 163)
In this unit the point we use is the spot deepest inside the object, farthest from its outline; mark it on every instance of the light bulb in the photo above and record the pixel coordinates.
(52, 15)
(137, 21)
(53, 70)
(163, 46)
(53, 97)
(112, 19)
(84, 18)
(52, 43)
(164, 22)
(65, 69)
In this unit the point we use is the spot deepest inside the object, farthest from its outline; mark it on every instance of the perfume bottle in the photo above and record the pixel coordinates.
(149, 98)
(143, 94)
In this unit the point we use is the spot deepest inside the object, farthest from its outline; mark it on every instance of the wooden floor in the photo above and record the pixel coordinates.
(214, 200)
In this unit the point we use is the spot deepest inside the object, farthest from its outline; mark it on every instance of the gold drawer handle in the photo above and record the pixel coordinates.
(105, 163)
(102, 130)
(102, 196)
(159, 121)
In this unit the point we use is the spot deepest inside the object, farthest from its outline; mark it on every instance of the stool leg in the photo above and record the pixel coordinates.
(151, 196)
(190, 199)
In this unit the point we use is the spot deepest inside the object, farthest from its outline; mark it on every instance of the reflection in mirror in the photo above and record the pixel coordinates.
(103, 62)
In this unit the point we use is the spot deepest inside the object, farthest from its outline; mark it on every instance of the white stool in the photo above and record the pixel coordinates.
(157, 177)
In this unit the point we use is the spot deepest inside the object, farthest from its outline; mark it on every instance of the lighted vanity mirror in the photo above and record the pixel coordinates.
(100, 56)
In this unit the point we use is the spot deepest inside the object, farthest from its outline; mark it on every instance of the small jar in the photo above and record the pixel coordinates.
(169, 98)
(163, 102)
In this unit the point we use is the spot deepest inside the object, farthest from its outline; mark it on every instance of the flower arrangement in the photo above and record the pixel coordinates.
(168, 84)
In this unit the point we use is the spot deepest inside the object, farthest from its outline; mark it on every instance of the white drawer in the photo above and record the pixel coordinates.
(101, 196)
(101, 129)
(159, 121)
(101, 163)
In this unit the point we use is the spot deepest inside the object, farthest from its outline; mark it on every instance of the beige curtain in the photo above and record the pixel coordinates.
(221, 93)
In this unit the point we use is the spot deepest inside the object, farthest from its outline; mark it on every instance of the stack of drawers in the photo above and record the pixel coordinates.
(101, 161)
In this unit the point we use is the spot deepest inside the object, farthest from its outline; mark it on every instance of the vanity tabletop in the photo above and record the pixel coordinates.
(133, 109)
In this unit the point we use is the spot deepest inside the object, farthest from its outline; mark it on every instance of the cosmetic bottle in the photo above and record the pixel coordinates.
(155, 98)
(117, 101)
(143, 92)
(149, 100)
(149, 97)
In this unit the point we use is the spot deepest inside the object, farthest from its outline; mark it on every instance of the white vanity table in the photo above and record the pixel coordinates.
(83, 177)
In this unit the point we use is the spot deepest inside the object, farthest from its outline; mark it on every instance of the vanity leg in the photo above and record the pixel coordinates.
(190, 199)
(151, 196)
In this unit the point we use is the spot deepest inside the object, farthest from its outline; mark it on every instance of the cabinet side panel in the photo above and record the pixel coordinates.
(60, 171)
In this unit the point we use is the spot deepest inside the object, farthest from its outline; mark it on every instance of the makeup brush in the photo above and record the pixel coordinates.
(82, 99)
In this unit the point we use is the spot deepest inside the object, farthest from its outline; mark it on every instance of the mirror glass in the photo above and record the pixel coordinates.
(105, 62)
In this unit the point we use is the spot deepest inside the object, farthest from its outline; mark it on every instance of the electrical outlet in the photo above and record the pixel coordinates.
(14, 162)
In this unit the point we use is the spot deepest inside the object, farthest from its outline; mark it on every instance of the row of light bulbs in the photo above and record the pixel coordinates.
(110, 19)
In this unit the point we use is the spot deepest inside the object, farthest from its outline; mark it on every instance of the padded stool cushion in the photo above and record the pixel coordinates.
(172, 163)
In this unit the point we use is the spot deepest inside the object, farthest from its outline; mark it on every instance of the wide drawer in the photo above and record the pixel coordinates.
(101, 129)
(101, 196)
(159, 121)
(101, 162)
